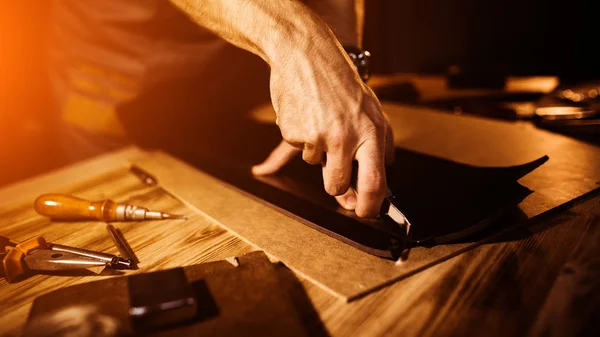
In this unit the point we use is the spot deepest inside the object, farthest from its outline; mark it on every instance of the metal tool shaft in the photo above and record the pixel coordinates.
(113, 260)
(127, 212)
(49, 260)
(120, 243)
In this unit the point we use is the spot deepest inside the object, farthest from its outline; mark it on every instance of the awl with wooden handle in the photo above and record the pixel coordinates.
(66, 207)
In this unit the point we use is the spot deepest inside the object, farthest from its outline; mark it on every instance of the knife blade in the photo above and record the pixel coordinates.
(390, 210)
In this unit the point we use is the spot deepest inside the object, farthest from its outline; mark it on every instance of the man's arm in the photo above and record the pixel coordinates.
(344, 17)
(322, 105)
(269, 29)
(346, 20)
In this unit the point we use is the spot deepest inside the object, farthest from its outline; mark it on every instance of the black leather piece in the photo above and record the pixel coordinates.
(445, 201)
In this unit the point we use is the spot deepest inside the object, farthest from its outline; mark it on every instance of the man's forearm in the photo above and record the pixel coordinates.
(344, 17)
(270, 29)
(322, 105)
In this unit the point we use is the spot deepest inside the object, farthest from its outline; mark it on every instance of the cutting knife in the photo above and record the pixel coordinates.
(390, 210)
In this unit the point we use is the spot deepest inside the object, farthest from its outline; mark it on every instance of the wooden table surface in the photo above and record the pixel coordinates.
(519, 284)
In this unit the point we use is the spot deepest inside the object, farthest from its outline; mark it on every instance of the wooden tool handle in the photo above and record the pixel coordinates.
(65, 207)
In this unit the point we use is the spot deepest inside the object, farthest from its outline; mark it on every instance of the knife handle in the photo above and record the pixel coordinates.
(67, 207)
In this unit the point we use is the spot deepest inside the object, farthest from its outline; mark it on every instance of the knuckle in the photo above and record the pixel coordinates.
(336, 140)
(290, 136)
(335, 189)
(311, 137)
(336, 183)
(286, 133)
(332, 189)
(310, 159)
(373, 188)
(373, 183)
(373, 130)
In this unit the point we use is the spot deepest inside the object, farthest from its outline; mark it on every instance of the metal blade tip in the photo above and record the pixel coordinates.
(173, 216)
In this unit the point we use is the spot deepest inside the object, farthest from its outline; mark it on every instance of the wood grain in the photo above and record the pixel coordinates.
(496, 289)
(157, 244)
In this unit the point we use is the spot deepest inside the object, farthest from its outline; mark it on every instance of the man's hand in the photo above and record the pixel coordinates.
(323, 107)
(325, 111)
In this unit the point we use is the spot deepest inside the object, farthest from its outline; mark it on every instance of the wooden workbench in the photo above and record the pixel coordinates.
(520, 283)
(510, 286)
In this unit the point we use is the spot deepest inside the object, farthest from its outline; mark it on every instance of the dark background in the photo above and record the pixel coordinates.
(516, 37)
(521, 37)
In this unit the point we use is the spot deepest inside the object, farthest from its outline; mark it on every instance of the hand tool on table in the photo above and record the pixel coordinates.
(144, 176)
(36, 254)
(67, 207)
(122, 245)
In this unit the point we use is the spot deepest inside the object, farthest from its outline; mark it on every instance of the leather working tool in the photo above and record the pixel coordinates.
(36, 254)
(390, 210)
(121, 244)
(66, 207)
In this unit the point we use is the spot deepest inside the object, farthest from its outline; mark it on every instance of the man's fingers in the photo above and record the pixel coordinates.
(312, 154)
(371, 185)
(347, 200)
(280, 156)
(337, 172)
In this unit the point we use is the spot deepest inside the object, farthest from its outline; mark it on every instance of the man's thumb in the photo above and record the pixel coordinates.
(280, 156)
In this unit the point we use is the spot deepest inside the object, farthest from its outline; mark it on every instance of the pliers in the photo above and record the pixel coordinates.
(36, 254)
